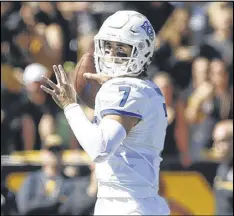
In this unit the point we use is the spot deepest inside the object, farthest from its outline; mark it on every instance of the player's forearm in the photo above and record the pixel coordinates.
(99, 142)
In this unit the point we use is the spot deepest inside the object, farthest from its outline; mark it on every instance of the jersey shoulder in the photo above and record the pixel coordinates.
(124, 96)
(137, 86)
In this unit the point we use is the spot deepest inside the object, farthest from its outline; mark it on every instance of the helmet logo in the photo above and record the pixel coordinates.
(148, 29)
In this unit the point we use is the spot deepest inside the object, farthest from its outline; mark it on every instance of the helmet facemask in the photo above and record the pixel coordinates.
(121, 64)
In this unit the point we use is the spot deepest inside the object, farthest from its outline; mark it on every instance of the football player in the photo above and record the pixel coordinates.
(127, 137)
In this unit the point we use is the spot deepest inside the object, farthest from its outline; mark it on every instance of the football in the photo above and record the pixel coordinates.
(85, 88)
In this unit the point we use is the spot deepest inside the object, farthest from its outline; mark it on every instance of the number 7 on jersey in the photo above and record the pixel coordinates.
(126, 90)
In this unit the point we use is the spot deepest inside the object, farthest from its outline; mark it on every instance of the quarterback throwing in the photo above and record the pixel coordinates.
(127, 137)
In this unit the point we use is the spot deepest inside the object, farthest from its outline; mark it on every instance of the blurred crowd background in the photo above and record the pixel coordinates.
(192, 64)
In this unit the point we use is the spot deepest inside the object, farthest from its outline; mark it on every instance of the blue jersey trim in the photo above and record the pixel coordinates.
(119, 112)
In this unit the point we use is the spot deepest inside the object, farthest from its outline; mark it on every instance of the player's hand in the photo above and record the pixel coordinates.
(100, 78)
(62, 93)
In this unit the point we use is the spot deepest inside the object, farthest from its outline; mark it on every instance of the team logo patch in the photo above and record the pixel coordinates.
(148, 29)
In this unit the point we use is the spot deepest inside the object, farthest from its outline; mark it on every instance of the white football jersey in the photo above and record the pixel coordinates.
(133, 169)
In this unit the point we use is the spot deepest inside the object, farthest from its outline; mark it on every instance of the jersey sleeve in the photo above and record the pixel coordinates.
(121, 99)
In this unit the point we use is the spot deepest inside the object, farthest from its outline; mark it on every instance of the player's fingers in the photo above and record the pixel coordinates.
(90, 76)
(57, 74)
(63, 74)
(50, 83)
(47, 90)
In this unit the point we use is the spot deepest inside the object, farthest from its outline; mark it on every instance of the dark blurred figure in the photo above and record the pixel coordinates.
(210, 103)
(38, 113)
(32, 34)
(199, 21)
(35, 40)
(86, 192)
(193, 97)
(200, 68)
(28, 115)
(176, 140)
(82, 200)
(174, 52)
(79, 23)
(45, 191)
(8, 202)
(156, 12)
(222, 103)
(219, 44)
(223, 150)
(101, 10)
(13, 30)
(12, 98)
(58, 13)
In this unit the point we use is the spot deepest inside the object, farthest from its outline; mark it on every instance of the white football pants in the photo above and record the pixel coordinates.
(129, 206)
